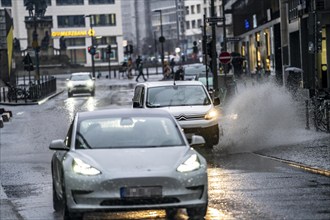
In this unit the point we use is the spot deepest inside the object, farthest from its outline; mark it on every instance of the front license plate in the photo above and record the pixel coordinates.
(143, 191)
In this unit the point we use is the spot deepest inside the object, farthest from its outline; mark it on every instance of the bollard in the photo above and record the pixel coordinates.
(327, 109)
(307, 115)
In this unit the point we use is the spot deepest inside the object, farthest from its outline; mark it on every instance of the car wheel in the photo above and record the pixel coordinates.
(93, 93)
(71, 216)
(57, 203)
(197, 213)
(67, 215)
(69, 94)
(171, 213)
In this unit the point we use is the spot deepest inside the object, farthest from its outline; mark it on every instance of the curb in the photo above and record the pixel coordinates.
(299, 165)
(32, 103)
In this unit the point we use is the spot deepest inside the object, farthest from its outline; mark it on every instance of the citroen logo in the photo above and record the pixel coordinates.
(182, 118)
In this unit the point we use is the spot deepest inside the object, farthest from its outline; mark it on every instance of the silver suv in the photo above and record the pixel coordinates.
(188, 101)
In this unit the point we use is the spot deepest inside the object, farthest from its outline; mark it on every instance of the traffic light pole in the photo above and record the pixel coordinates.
(214, 53)
(205, 53)
(92, 38)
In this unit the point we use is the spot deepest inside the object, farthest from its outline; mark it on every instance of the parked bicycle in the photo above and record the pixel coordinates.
(321, 110)
(15, 93)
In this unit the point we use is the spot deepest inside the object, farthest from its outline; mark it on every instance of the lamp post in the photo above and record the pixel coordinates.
(161, 38)
(92, 38)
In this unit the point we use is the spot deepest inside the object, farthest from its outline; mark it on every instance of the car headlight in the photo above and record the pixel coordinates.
(70, 84)
(90, 83)
(80, 167)
(212, 114)
(191, 164)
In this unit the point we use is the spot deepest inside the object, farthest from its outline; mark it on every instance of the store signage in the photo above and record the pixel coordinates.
(83, 33)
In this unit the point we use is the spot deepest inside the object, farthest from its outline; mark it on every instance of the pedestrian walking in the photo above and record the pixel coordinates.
(140, 69)
(167, 71)
(172, 64)
(129, 68)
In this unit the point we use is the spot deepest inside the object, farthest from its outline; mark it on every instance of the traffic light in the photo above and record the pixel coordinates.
(91, 50)
(195, 48)
(318, 33)
(209, 48)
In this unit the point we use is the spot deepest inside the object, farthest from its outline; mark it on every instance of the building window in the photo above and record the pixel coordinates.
(71, 21)
(198, 9)
(187, 10)
(69, 2)
(6, 3)
(104, 20)
(193, 24)
(99, 2)
(75, 41)
(77, 56)
(192, 8)
(106, 40)
(199, 22)
(187, 25)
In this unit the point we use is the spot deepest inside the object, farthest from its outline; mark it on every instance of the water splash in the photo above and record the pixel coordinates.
(267, 116)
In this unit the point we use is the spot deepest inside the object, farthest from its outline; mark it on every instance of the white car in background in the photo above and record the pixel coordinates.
(82, 82)
(188, 101)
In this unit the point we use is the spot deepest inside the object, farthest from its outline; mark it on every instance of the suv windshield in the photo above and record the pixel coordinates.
(182, 95)
(81, 77)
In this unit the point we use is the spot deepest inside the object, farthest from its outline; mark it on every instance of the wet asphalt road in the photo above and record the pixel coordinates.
(241, 186)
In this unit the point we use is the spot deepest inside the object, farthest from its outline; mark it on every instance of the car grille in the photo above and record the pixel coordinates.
(139, 201)
(183, 117)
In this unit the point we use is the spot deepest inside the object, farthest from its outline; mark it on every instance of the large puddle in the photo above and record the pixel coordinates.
(267, 116)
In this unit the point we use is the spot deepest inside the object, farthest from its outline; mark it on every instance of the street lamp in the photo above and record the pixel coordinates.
(161, 38)
(92, 37)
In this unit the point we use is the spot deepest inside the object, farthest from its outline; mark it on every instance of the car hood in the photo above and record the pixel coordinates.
(188, 110)
(133, 160)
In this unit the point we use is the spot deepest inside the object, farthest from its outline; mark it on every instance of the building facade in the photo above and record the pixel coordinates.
(79, 22)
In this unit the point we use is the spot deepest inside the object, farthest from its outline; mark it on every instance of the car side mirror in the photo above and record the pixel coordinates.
(58, 145)
(136, 104)
(216, 101)
(197, 141)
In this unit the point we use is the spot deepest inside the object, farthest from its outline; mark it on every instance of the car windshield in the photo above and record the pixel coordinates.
(203, 80)
(194, 70)
(127, 132)
(183, 95)
(80, 77)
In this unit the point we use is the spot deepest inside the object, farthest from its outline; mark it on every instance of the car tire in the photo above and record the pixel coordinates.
(57, 203)
(93, 93)
(67, 215)
(171, 213)
(197, 213)
(69, 94)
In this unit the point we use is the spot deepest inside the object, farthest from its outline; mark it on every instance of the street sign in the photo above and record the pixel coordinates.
(233, 39)
(225, 57)
(214, 19)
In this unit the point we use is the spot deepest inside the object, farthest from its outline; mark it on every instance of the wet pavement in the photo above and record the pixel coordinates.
(311, 155)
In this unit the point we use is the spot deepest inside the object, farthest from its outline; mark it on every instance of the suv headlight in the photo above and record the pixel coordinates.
(70, 84)
(191, 164)
(90, 83)
(212, 114)
(80, 167)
